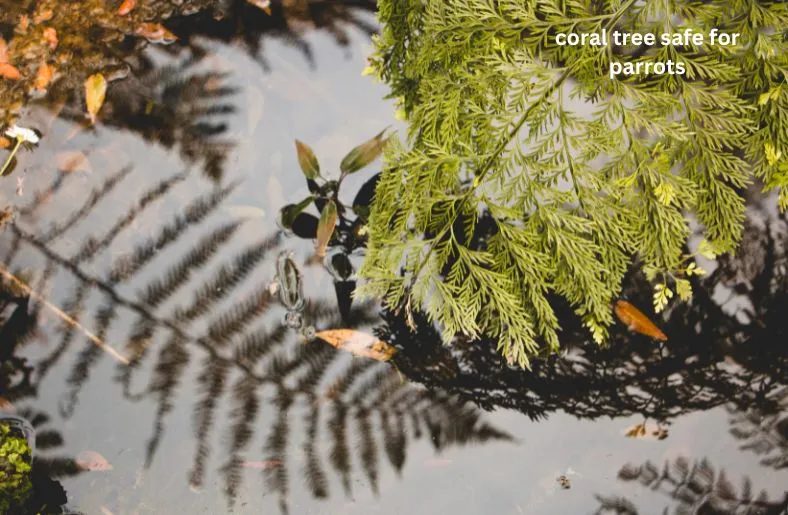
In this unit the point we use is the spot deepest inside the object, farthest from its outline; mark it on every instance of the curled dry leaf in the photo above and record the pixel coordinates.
(126, 7)
(155, 33)
(92, 461)
(95, 92)
(50, 35)
(72, 161)
(358, 343)
(44, 76)
(636, 321)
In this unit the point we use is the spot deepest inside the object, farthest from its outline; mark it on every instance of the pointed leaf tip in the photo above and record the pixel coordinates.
(364, 154)
(325, 227)
(307, 160)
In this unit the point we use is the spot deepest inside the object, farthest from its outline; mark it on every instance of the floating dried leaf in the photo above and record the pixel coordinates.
(72, 161)
(7, 406)
(4, 142)
(126, 7)
(636, 431)
(636, 321)
(155, 33)
(95, 92)
(92, 461)
(358, 343)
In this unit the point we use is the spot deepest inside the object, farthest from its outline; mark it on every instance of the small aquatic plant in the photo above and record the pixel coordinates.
(16, 458)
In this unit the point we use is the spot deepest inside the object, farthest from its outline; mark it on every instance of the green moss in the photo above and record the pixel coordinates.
(16, 458)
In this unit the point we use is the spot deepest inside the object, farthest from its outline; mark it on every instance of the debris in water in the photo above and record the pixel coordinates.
(358, 343)
(92, 461)
(636, 321)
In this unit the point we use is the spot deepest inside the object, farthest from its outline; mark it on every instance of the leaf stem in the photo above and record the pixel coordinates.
(10, 157)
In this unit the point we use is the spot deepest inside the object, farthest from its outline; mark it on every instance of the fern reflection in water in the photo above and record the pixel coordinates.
(179, 320)
(696, 488)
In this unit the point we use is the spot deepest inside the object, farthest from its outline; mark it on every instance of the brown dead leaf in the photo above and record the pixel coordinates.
(4, 142)
(44, 76)
(358, 343)
(7, 406)
(636, 431)
(126, 7)
(92, 461)
(155, 33)
(95, 92)
(72, 161)
(8, 71)
(44, 15)
(50, 35)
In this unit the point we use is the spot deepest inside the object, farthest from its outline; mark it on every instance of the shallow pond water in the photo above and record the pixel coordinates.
(213, 404)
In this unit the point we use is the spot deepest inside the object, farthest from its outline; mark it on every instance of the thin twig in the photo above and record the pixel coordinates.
(60, 313)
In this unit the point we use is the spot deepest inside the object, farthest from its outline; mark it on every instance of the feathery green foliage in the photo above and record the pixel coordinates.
(582, 173)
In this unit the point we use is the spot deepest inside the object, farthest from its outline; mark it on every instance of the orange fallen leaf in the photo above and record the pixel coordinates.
(72, 161)
(8, 71)
(44, 76)
(358, 343)
(24, 23)
(126, 7)
(7, 406)
(4, 142)
(155, 33)
(50, 35)
(636, 321)
(92, 461)
(95, 92)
